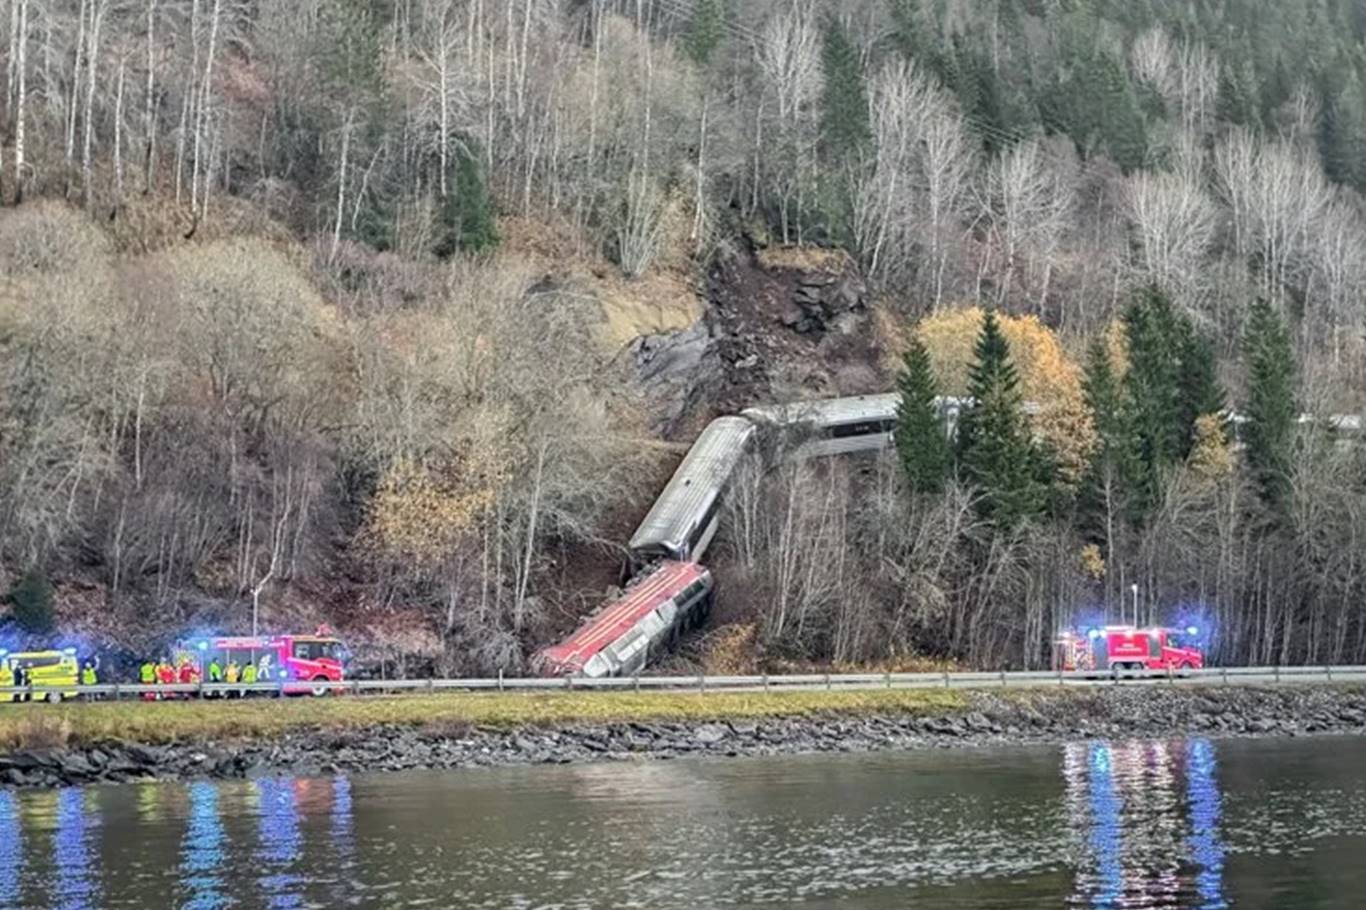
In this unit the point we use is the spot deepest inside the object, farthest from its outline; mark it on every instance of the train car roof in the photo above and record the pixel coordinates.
(621, 615)
(703, 470)
(826, 411)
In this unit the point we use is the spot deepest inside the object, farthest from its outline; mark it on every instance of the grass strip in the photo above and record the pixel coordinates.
(48, 726)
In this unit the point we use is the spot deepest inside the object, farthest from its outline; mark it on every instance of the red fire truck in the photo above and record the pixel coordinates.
(1116, 648)
(315, 659)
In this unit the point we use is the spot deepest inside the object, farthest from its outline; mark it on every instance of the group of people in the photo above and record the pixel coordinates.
(186, 672)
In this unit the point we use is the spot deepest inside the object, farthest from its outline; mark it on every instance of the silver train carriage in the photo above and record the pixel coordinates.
(842, 426)
(683, 520)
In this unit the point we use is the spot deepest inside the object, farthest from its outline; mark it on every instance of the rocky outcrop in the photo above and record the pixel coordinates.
(675, 371)
(989, 718)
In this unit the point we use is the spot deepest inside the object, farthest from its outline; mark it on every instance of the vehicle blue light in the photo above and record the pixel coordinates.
(203, 646)
(70, 651)
(1192, 630)
(1093, 633)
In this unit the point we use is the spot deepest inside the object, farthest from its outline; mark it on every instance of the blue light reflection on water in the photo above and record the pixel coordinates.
(1206, 848)
(74, 885)
(202, 853)
(1106, 826)
(279, 842)
(11, 850)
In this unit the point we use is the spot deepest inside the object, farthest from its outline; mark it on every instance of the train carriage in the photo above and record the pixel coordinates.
(683, 520)
(621, 637)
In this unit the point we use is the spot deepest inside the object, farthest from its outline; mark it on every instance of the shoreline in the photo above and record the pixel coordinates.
(702, 726)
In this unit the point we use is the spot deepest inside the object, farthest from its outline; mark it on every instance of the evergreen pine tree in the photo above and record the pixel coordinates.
(31, 603)
(1201, 394)
(995, 451)
(1271, 408)
(467, 217)
(1171, 381)
(845, 127)
(1101, 493)
(921, 436)
(706, 28)
(1153, 388)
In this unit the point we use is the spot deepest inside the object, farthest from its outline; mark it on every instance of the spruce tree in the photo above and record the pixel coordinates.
(921, 437)
(467, 217)
(1170, 383)
(31, 603)
(845, 127)
(1271, 408)
(995, 451)
(706, 28)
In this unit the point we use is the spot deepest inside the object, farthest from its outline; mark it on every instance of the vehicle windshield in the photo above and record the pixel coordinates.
(30, 663)
(317, 650)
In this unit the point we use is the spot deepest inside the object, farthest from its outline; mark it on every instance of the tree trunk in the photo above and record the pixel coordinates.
(21, 101)
(97, 12)
(149, 124)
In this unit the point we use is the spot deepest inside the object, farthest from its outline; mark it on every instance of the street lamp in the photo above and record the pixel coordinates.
(1134, 589)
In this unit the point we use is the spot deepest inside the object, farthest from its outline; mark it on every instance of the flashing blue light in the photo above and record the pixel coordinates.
(70, 651)
(1192, 630)
(1093, 633)
(203, 646)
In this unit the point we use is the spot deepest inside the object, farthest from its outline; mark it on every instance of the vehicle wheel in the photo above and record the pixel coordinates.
(54, 698)
(319, 691)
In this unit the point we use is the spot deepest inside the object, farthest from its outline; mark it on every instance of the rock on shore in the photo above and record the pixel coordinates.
(990, 718)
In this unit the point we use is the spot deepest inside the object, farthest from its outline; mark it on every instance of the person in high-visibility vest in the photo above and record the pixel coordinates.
(248, 676)
(215, 676)
(6, 680)
(147, 675)
(232, 673)
(89, 677)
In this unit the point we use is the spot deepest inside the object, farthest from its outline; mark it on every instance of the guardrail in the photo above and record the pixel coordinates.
(1247, 676)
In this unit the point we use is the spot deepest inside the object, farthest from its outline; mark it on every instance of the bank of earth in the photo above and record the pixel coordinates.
(73, 744)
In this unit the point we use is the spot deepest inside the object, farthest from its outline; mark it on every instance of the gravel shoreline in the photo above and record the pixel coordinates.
(991, 718)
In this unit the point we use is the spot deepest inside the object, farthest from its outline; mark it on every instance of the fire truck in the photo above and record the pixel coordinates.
(315, 659)
(1116, 648)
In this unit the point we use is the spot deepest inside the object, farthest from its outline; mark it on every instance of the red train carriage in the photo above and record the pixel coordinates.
(622, 636)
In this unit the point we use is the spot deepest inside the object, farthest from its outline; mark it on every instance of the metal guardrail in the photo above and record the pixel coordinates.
(1247, 676)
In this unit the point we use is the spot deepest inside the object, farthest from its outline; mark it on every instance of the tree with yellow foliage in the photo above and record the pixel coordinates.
(1050, 381)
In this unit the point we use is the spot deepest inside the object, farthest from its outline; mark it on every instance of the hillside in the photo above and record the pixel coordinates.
(396, 315)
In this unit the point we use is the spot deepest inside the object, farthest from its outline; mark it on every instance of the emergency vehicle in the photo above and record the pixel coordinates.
(40, 669)
(316, 659)
(1116, 648)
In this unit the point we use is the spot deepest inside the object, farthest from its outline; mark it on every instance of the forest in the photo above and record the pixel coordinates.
(286, 327)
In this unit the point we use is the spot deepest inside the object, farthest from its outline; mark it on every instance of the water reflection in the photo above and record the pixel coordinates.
(1141, 806)
(75, 887)
(279, 841)
(1206, 849)
(202, 853)
(11, 850)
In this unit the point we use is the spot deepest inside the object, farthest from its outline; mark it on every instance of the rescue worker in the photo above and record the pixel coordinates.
(89, 677)
(166, 676)
(215, 675)
(21, 680)
(263, 674)
(147, 675)
(248, 677)
(6, 680)
(232, 674)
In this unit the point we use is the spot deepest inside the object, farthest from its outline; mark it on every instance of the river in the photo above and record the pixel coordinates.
(1273, 823)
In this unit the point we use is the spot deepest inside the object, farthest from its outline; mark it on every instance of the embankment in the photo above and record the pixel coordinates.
(47, 746)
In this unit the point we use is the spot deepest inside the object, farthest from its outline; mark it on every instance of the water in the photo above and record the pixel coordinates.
(1182, 824)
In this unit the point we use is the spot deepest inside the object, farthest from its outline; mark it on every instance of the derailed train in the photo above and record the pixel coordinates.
(670, 590)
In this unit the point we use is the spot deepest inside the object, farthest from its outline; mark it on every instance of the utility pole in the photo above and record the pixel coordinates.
(1134, 589)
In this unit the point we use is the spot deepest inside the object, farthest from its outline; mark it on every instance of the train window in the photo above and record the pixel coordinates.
(862, 428)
